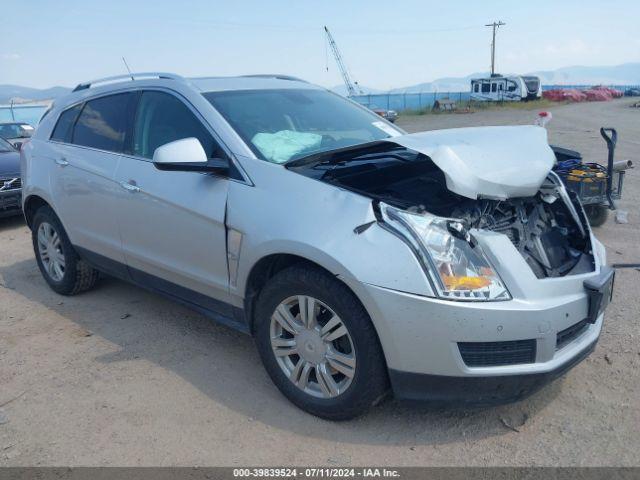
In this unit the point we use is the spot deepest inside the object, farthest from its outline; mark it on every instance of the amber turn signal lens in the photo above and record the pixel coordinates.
(455, 282)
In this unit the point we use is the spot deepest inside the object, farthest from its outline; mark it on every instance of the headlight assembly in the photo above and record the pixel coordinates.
(458, 268)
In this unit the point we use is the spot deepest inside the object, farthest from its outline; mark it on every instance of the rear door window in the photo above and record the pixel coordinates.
(103, 122)
(64, 128)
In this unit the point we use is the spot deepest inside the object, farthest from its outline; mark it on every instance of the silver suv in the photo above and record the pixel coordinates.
(448, 266)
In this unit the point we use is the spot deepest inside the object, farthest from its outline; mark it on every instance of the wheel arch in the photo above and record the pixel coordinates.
(263, 270)
(267, 259)
(31, 205)
(269, 265)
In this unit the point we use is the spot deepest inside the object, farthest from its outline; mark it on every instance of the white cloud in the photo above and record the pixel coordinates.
(572, 47)
(552, 55)
(10, 56)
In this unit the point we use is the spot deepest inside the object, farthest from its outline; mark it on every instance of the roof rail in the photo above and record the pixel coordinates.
(125, 78)
(276, 76)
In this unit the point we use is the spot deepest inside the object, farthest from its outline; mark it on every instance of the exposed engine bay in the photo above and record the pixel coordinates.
(544, 233)
(548, 229)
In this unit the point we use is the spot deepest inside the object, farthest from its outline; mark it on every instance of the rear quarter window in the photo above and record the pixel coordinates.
(64, 127)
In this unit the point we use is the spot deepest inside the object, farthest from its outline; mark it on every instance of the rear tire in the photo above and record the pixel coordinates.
(597, 214)
(62, 268)
(341, 329)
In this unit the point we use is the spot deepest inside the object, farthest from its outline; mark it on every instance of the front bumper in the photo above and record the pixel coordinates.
(439, 390)
(10, 203)
(421, 334)
(423, 340)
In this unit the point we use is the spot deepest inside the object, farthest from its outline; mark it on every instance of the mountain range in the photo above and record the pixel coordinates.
(625, 74)
(20, 94)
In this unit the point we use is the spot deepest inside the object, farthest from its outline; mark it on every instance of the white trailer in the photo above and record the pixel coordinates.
(499, 88)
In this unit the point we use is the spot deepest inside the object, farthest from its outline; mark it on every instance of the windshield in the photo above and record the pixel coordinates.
(287, 124)
(15, 130)
(5, 146)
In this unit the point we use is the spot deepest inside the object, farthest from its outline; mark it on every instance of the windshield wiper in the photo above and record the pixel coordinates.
(337, 155)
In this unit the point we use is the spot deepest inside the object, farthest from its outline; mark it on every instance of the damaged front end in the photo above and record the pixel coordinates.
(456, 265)
(547, 229)
(418, 198)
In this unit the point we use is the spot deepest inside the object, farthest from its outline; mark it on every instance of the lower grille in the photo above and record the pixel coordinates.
(568, 334)
(10, 201)
(493, 354)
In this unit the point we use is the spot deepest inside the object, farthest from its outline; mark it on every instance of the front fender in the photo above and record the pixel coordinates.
(287, 213)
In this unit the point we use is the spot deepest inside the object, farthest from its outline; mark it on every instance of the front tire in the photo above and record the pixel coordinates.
(318, 344)
(62, 268)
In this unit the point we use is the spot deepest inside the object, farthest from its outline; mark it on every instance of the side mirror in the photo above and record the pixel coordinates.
(187, 155)
(17, 145)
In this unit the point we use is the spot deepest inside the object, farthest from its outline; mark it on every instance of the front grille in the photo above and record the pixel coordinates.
(8, 184)
(569, 334)
(493, 354)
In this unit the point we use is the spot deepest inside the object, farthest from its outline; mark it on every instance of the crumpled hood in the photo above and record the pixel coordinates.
(487, 162)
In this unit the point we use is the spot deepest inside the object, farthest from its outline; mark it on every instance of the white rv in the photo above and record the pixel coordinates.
(499, 88)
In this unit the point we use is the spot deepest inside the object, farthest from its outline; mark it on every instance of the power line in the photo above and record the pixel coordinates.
(312, 28)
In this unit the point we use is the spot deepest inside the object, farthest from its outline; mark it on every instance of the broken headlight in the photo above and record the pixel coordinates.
(458, 267)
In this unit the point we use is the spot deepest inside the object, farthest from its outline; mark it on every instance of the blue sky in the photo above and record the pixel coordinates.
(385, 44)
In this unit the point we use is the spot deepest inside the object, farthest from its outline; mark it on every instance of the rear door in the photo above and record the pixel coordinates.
(86, 145)
(173, 223)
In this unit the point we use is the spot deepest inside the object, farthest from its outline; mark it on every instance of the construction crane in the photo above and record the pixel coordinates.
(352, 87)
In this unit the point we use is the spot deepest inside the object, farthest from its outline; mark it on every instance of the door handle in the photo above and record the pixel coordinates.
(129, 186)
(62, 162)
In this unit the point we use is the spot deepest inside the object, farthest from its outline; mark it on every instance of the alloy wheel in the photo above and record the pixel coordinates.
(312, 346)
(50, 251)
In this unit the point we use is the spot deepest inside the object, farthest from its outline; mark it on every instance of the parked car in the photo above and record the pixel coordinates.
(389, 115)
(448, 266)
(16, 132)
(10, 184)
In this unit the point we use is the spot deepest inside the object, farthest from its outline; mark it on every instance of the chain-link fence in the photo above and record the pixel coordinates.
(401, 102)
(407, 102)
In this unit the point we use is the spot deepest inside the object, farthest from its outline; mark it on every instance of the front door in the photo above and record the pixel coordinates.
(172, 223)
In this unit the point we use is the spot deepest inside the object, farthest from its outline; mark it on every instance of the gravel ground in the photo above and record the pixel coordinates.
(118, 376)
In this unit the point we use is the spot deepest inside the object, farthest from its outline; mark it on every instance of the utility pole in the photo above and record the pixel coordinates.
(495, 26)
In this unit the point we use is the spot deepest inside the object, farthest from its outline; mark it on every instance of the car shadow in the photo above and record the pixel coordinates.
(224, 365)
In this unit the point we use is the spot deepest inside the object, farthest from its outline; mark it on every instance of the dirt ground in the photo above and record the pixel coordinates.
(119, 376)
